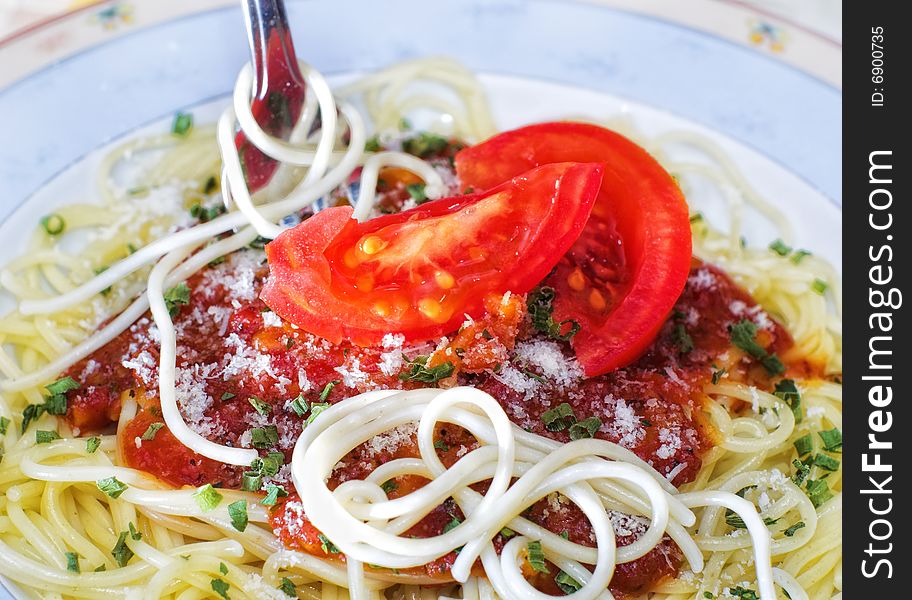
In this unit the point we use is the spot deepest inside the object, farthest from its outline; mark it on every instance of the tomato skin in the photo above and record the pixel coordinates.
(638, 199)
(421, 271)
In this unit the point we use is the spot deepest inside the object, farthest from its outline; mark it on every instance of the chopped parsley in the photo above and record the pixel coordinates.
(453, 524)
(207, 497)
(425, 144)
(567, 584)
(801, 472)
(315, 409)
(742, 336)
(585, 428)
(818, 491)
(682, 339)
(223, 568)
(804, 445)
(536, 557)
(299, 405)
(237, 511)
(258, 405)
(46, 437)
(176, 297)
(559, 418)
(264, 437)
(787, 391)
(30, 413)
(72, 562)
(4, 425)
(134, 533)
(62, 386)
(327, 389)
(183, 123)
(273, 493)
(718, 375)
(825, 462)
(372, 144)
(111, 486)
(228, 396)
(251, 481)
(56, 405)
(53, 224)
(149, 433)
(121, 552)
(794, 528)
(221, 588)
(732, 519)
(389, 485)
(92, 444)
(416, 191)
(417, 370)
(799, 255)
(288, 588)
(441, 445)
(327, 546)
(540, 305)
(832, 439)
(820, 286)
(780, 248)
(743, 593)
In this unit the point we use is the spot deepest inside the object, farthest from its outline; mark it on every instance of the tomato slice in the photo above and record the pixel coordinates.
(625, 272)
(421, 271)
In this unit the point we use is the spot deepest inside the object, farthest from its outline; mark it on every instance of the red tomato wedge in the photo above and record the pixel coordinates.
(421, 271)
(627, 269)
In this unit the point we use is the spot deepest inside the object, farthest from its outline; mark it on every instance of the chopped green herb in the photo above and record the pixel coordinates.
(708, 595)
(441, 445)
(742, 336)
(176, 297)
(288, 588)
(4, 425)
(101, 568)
(228, 396)
(273, 493)
(134, 533)
(801, 472)
(424, 145)
(207, 497)
(780, 248)
(210, 185)
(417, 370)
(536, 557)
(31, 412)
(372, 144)
(645, 422)
(416, 191)
(92, 444)
(72, 561)
(743, 593)
(62, 386)
(259, 406)
(264, 437)
(389, 485)
(111, 486)
(540, 306)
(121, 552)
(46, 437)
(794, 528)
(56, 405)
(788, 392)
(149, 433)
(718, 375)
(818, 491)
(251, 481)
(404, 124)
(507, 532)
(682, 339)
(832, 439)
(825, 462)
(819, 286)
(221, 588)
(327, 546)
(453, 524)
(565, 534)
(53, 224)
(567, 584)
(585, 428)
(799, 255)
(734, 520)
(299, 405)
(559, 418)
(223, 568)
(696, 217)
(99, 271)
(315, 409)
(804, 445)
(237, 511)
(183, 123)
(327, 389)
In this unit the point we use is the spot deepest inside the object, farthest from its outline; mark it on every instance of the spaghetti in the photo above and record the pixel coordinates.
(748, 522)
